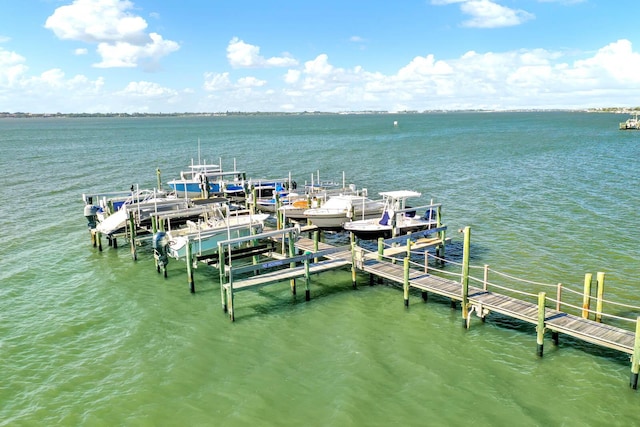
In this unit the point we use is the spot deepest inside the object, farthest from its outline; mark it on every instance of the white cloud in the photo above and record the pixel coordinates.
(251, 82)
(94, 21)
(216, 82)
(120, 35)
(292, 76)
(12, 68)
(147, 90)
(123, 54)
(244, 55)
(488, 13)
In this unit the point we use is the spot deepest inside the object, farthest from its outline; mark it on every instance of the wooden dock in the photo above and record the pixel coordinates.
(485, 302)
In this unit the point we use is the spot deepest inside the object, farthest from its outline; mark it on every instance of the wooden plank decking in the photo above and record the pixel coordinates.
(557, 321)
(286, 274)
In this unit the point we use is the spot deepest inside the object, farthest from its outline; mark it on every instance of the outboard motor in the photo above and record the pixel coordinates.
(160, 243)
(90, 213)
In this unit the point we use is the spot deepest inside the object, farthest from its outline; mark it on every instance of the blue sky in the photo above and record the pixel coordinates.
(295, 55)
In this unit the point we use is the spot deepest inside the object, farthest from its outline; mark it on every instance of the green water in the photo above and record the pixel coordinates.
(94, 338)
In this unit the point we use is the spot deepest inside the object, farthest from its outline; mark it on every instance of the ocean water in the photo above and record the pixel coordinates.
(94, 338)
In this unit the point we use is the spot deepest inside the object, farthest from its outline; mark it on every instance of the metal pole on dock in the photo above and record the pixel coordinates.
(540, 328)
(465, 275)
(600, 295)
(586, 297)
(635, 358)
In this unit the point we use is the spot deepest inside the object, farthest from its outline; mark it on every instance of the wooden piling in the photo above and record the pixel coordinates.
(132, 236)
(440, 249)
(559, 297)
(307, 280)
(221, 271)
(406, 282)
(485, 278)
(586, 297)
(189, 260)
(292, 251)
(316, 242)
(600, 295)
(354, 284)
(635, 359)
(465, 276)
(540, 327)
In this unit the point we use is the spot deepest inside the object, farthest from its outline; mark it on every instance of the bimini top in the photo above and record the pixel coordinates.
(400, 194)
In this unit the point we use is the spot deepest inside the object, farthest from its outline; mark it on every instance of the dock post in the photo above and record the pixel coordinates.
(380, 254)
(189, 259)
(99, 240)
(465, 276)
(221, 271)
(132, 236)
(307, 279)
(600, 294)
(540, 328)
(354, 284)
(406, 282)
(635, 358)
(292, 251)
(426, 261)
(485, 278)
(232, 315)
(586, 297)
(279, 224)
(316, 242)
(555, 336)
(158, 175)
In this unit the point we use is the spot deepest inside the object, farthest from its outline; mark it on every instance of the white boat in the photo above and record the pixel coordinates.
(108, 213)
(211, 178)
(397, 218)
(205, 235)
(631, 124)
(343, 208)
(315, 195)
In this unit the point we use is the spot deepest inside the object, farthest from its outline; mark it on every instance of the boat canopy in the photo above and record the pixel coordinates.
(400, 194)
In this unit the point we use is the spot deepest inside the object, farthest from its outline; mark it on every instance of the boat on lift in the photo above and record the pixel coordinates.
(397, 217)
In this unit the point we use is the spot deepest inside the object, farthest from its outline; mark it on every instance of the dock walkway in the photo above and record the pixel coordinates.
(486, 301)
(318, 256)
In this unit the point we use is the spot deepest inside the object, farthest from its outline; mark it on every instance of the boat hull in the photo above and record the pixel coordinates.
(206, 243)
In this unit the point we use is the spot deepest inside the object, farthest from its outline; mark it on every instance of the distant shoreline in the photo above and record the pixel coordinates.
(308, 113)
